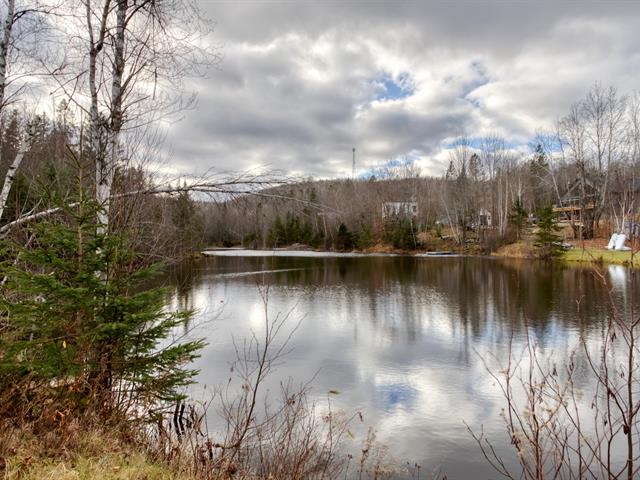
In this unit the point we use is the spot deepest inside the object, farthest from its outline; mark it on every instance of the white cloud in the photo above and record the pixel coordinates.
(298, 85)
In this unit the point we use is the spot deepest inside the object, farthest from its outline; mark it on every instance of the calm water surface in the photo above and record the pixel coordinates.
(401, 338)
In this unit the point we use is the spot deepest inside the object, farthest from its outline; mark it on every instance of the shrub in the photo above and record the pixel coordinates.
(548, 243)
(344, 239)
(79, 326)
(401, 233)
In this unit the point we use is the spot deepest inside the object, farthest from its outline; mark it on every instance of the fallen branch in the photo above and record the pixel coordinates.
(227, 188)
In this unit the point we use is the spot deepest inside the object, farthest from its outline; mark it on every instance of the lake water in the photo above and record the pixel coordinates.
(402, 339)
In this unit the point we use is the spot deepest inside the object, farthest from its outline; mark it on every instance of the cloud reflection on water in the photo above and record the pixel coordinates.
(402, 338)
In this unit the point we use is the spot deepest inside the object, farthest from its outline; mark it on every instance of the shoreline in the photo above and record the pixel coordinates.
(286, 252)
(577, 254)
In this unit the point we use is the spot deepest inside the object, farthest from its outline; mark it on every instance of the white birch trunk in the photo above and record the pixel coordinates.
(5, 41)
(11, 175)
(105, 171)
(4, 47)
(97, 128)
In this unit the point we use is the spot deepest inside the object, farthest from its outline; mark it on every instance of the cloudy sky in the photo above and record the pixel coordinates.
(301, 83)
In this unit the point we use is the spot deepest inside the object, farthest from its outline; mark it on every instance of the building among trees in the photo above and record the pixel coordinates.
(399, 209)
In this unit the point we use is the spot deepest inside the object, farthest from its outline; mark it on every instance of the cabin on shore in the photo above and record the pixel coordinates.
(572, 202)
(399, 209)
(484, 218)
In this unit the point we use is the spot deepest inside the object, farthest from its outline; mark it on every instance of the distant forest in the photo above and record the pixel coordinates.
(587, 166)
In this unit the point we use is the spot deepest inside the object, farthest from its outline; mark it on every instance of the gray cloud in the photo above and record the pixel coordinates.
(300, 81)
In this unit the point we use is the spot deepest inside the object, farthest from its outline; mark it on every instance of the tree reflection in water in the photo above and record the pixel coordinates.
(401, 337)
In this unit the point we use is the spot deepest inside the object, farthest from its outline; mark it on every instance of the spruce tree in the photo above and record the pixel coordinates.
(80, 324)
(344, 239)
(548, 243)
(518, 217)
(278, 233)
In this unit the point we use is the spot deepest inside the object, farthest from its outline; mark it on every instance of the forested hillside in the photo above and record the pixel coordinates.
(586, 166)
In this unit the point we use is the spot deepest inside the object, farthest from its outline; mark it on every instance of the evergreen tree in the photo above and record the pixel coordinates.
(548, 243)
(538, 168)
(344, 239)
(187, 223)
(10, 138)
(364, 238)
(475, 167)
(293, 230)
(518, 217)
(400, 232)
(277, 233)
(80, 324)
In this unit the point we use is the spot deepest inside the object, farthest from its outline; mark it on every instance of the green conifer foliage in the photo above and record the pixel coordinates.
(548, 243)
(344, 239)
(400, 232)
(518, 217)
(293, 230)
(78, 320)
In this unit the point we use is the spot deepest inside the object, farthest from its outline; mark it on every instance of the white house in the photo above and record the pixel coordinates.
(484, 217)
(395, 209)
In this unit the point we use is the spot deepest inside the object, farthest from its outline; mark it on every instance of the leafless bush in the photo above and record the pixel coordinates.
(288, 436)
(534, 416)
(258, 439)
(563, 427)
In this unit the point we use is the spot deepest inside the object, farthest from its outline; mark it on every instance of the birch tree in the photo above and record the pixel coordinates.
(625, 185)
(5, 42)
(13, 15)
(11, 173)
(137, 55)
(593, 134)
(23, 24)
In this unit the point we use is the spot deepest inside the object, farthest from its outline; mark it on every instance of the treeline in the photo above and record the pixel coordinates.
(331, 214)
(52, 174)
(586, 166)
(345, 215)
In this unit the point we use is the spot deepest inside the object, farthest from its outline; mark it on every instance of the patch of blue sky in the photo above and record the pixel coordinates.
(549, 143)
(477, 142)
(481, 77)
(473, 101)
(394, 88)
(383, 171)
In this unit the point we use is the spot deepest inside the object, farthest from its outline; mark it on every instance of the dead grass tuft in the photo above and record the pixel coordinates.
(88, 453)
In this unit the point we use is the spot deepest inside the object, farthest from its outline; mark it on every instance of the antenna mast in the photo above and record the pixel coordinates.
(353, 165)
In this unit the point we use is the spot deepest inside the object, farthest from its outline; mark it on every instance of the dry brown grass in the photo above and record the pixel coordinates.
(381, 248)
(521, 249)
(87, 452)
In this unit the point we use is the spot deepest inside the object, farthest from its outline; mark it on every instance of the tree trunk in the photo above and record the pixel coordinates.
(97, 127)
(104, 175)
(11, 175)
(4, 48)
(4, 52)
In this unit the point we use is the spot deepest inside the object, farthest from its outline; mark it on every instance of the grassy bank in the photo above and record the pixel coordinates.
(88, 453)
(80, 451)
(600, 255)
(592, 252)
